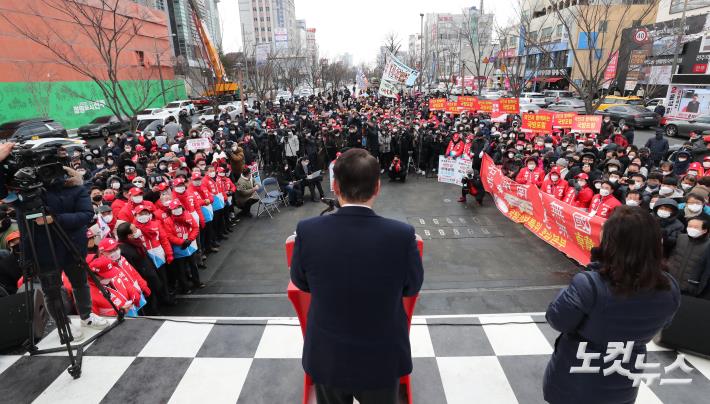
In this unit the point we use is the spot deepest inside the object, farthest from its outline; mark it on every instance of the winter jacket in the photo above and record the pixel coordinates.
(557, 189)
(535, 177)
(125, 287)
(155, 240)
(192, 202)
(181, 228)
(686, 257)
(603, 206)
(588, 311)
(126, 213)
(658, 147)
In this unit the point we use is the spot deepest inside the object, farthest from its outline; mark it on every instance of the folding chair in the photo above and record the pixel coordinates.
(271, 186)
(269, 203)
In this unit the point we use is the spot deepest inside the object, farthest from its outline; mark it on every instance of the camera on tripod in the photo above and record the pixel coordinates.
(32, 169)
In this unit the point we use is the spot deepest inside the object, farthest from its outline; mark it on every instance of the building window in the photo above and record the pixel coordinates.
(140, 58)
(603, 25)
(268, 29)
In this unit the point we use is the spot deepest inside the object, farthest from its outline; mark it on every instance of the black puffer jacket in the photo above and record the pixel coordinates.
(685, 258)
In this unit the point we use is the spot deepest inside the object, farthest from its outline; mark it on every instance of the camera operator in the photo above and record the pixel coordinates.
(68, 205)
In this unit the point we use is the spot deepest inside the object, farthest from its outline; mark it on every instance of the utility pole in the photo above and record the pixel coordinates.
(160, 74)
(679, 40)
(421, 50)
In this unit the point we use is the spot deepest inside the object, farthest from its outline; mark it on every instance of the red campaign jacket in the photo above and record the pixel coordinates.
(182, 228)
(227, 186)
(125, 287)
(534, 177)
(126, 213)
(558, 190)
(161, 211)
(454, 149)
(204, 194)
(210, 185)
(192, 202)
(467, 150)
(154, 236)
(116, 206)
(603, 206)
(583, 198)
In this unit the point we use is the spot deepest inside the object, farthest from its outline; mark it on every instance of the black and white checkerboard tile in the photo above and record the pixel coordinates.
(457, 359)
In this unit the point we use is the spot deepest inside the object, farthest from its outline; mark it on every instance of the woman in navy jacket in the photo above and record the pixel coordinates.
(626, 296)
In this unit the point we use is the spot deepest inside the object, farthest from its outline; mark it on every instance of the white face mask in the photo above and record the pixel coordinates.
(177, 212)
(632, 202)
(115, 255)
(531, 167)
(604, 192)
(665, 191)
(107, 218)
(613, 180)
(554, 178)
(663, 214)
(143, 218)
(180, 190)
(212, 175)
(695, 207)
(706, 164)
(548, 145)
(666, 173)
(197, 183)
(612, 169)
(686, 186)
(582, 183)
(651, 205)
(598, 185)
(137, 199)
(693, 173)
(694, 233)
(116, 185)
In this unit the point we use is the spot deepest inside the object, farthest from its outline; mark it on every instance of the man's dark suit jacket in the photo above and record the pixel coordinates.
(357, 267)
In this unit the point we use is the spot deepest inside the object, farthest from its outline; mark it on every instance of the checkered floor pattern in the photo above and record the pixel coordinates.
(457, 359)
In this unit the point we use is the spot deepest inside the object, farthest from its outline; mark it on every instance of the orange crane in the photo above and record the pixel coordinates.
(221, 85)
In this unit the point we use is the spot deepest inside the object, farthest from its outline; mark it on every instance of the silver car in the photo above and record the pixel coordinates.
(681, 127)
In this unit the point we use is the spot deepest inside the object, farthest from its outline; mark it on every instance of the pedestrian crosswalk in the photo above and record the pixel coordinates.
(457, 359)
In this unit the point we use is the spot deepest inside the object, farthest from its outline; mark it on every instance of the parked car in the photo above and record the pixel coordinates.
(175, 107)
(151, 124)
(526, 107)
(556, 95)
(681, 127)
(285, 94)
(651, 104)
(36, 128)
(568, 105)
(70, 145)
(104, 126)
(633, 115)
(457, 90)
(533, 98)
(610, 100)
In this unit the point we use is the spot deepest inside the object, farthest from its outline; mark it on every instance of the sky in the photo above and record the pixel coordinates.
(359, 27)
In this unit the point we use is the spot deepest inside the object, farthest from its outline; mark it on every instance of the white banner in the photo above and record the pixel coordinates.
(389, 88)
(452, 171)
(398, 72)
(198, 144)
(262, 52)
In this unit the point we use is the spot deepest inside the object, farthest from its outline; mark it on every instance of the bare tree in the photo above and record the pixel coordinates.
(290, 69)
(312, 72)
(39, 84)
(597, 25)
(107, 28)
(476, 34)
(513, 69)
(393, 43)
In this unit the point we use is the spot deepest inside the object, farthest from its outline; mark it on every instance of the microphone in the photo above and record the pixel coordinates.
(332, 204)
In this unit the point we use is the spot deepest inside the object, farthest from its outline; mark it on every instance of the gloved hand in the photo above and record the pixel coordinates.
(185, 244)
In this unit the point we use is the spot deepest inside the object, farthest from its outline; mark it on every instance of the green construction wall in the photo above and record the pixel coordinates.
(73, 103)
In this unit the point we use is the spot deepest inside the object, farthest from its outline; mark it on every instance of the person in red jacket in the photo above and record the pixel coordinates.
(154, 237)
(582, 196)
(120, 201)
(455, 147)
(604, 203)
(182, 231)
(208, 242)
(555, 185)
(106, 221)
(467, 147)
(210, 185)
(135, 199)
(227, 187)
(190, 200)
(161, 205)
(532, 173)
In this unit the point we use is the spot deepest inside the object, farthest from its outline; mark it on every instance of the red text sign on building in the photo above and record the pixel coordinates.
(587, 123)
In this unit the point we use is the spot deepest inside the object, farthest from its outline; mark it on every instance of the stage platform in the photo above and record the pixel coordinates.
(496, 358)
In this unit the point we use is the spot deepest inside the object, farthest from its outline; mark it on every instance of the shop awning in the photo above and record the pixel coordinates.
(546, 79)
(553, 79)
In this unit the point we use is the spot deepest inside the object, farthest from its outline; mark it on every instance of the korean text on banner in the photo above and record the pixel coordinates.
(388, 89)
(262, 53)
(437, 104)
(198, 144)
(509, 105)
(452, 171)
(563, 119)
(451, 107)
(570, 230)
(467, 103)
(487, 105)
(537, 123)
(398, 72)
(587, 123)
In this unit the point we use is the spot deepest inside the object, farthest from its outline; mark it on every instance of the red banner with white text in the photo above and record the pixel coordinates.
(571, 230)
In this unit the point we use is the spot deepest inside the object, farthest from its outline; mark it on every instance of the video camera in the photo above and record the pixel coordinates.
(31, 169)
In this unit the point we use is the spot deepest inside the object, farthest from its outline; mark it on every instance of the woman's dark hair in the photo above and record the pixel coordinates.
(631, 252)
(123, 230)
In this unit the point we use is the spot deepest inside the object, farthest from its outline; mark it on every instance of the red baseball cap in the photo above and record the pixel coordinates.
(162, 187)
(141, 208)
(174, 204)
(135, 191)
(107, 244)
(582, 176)
(178, 181)
(104, 268)
(196, 176)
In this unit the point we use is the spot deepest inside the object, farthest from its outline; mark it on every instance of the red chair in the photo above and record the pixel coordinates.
(301, 301)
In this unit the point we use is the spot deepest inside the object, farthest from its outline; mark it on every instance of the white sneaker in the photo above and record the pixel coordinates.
(76, 331)
(95, 322)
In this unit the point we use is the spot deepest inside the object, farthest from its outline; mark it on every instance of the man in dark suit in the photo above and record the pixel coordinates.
(357, 267)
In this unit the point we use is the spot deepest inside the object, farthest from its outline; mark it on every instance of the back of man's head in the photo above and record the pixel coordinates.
(357, 174)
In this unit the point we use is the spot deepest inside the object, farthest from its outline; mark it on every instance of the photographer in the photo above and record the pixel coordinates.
(68, 204)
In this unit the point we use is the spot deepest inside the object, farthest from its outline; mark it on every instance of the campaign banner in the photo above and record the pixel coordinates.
(570, 230)
(452, 171)
(537, 123)
(509, 105)
(262, 53)
(487, 105)
(563, 119)
(467, 103)
(194, 145)
(451, 107)
(399, 72)
(587, 123)
(388, 89)
(437, 104)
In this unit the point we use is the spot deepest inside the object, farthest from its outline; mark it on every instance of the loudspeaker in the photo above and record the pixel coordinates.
(690, 330)
(13, 319)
